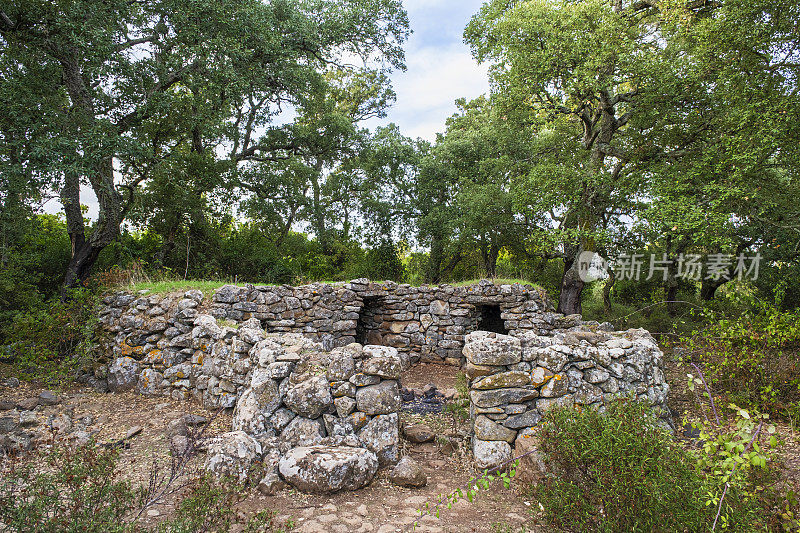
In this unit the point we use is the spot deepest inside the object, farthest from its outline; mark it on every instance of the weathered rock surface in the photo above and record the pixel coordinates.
(380, 399)
(326, 469)
(232, 454)
(309, 398)
(381, 435)
(408, 473)
(123, 374)
(490, 454)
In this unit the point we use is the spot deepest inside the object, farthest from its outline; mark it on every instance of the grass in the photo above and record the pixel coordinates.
(161, 287)
(496, 281)
(208, 287)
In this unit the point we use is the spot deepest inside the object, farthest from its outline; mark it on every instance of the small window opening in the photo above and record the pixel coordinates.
(489, 319)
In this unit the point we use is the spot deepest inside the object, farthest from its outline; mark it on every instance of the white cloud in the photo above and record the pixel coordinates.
(426, 92)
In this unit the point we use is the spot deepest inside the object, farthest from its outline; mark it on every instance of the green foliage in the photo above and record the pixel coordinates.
(617, 471)
(383, 263)
(54, 342)
(77, 489)
(751, 355)
(209, 506)
(72, 490)
(735, 465)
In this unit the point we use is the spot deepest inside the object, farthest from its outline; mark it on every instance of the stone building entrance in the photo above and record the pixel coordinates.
(489, 319)
(370, 319)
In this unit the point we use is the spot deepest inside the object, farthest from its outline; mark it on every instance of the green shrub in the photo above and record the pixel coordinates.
(78, 490)
(752, 356)
(52, 343)
(209, 506)
(617, 471)
(71, 490)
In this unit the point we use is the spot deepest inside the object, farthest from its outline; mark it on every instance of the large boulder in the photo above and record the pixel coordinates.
(151, 382)
(326, 469)
(123, 374)
(257, 404)
(380, 399)
(374, 350)
(385, 367)
(382, 436)
(309, 398)
(341, 366)
(232, 454)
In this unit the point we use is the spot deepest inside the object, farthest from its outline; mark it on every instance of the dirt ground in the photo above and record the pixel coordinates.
(381, 507)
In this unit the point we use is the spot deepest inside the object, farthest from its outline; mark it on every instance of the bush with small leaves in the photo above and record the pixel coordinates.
(70, 490)
(617, 471)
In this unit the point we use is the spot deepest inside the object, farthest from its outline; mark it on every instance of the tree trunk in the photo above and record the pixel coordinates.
(569, 300)
(100, 174)
(607, 291)
(435, 259)
(80, 266)
(708, 288)
(490, 260)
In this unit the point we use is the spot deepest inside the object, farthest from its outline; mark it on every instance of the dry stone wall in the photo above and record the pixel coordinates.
(426, 323)
(514, 380)
(290, 397)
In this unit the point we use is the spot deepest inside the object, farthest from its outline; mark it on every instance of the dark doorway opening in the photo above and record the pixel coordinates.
(489, 319)
(369, 321)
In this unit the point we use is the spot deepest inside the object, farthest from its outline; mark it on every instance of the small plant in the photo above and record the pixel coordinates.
(471, 490)
(732, 458)
(751, 356)
(53, 343)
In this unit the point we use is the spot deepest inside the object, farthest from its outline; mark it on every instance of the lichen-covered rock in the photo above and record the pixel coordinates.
(341, 366)
(490, 453)
(151, 382)
(523, 420)
(232, 454)
(327, 469)
(486, 429)
(344, 406)
(205, 326)
(484, 348)
(380, 399)
(309, 398)
(303, 431)
(408, 473)
(123, 374)
(391, 352)
(495, 397)
(382, 435)
(503, 380)
(256, 405)
(385, 367)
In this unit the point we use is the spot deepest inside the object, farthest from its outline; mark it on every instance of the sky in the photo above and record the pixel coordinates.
(439, 70)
